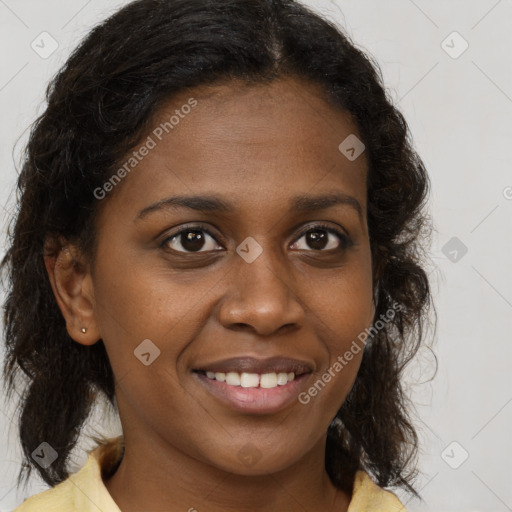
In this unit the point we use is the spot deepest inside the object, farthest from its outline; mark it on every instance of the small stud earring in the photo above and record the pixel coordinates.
(84, 330)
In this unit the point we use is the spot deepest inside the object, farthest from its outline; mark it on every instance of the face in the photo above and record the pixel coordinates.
(177, 290)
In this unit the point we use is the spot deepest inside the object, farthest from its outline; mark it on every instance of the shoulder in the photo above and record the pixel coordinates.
(367, 496)
(83, 491)
(56, 499)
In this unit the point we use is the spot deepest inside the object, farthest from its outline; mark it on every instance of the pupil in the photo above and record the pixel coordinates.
(316, 240)
(192, 240)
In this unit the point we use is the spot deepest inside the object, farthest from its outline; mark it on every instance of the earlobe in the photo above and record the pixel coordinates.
(70, 279)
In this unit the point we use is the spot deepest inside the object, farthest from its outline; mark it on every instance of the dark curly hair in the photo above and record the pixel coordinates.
(100, 105)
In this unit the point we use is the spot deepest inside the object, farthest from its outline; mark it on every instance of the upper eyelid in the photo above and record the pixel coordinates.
(323, 225)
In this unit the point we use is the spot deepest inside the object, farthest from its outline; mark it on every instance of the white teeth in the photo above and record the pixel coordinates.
(252, 380)
(233, 379)
(249, 380)
(268, 380)
(282, 378)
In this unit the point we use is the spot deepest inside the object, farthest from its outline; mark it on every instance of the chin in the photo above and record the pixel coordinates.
(251, 461)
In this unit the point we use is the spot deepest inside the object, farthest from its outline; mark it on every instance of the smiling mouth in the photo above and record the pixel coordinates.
(253, 385)
(246, 392)
(251, 380)
(251, 372)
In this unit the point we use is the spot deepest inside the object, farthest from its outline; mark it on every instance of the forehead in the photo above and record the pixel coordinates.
(289, 115)
(253, 143)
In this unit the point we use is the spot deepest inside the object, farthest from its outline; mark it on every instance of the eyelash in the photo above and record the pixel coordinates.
(345, 241)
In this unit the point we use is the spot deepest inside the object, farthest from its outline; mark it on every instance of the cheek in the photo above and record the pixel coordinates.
(136, 302)
(348, 312)
(348, 303)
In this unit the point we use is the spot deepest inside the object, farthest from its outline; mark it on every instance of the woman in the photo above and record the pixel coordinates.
(220, 229)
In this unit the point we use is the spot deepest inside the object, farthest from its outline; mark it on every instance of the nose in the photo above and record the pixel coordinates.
(262, 297)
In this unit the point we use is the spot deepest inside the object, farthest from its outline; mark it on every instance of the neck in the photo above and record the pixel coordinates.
(156, 476)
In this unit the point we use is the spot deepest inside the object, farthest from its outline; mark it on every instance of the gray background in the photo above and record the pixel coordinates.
(458, 106)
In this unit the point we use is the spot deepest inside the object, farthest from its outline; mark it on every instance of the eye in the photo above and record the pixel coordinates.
(191, 238)
(195, 239)
(317, 237)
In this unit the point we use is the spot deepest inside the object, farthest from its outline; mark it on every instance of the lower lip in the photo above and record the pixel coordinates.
(255, 400)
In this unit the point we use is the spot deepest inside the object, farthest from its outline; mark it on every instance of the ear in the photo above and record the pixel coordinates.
(72, 286)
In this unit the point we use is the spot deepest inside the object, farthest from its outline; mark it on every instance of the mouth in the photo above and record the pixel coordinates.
(254, 386)
(251, 380)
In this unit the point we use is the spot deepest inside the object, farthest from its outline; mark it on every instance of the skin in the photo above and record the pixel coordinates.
(256, 147)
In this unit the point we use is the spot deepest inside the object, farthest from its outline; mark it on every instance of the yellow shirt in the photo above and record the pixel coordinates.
(85, 491)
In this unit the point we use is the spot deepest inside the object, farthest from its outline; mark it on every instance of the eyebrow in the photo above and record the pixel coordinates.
(214, 204)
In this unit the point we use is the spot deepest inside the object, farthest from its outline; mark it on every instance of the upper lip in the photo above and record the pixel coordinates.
(277, 364)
